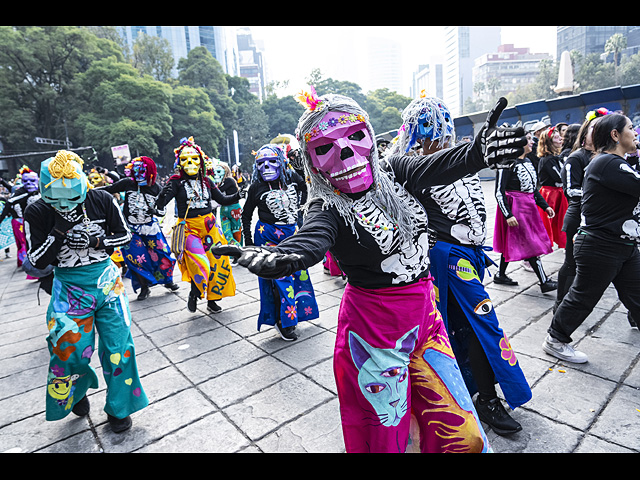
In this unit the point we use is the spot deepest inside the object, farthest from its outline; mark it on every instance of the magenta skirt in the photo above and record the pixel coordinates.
(393, 360)
(529, 239)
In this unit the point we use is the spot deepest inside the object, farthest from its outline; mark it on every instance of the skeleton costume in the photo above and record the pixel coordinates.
(517, 196)
(274, 191)
(15, 206)
(550, 177)
(76, 228)
(392, 354)
(210, 276)
(148, 256)
(457, 216)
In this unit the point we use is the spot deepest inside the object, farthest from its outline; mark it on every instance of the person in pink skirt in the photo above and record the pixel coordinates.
(392, 354)
(519, 233)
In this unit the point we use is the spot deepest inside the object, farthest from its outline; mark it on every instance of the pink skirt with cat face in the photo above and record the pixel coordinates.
(393, 360)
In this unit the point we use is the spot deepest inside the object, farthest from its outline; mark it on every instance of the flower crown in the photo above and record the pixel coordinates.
(600, 112)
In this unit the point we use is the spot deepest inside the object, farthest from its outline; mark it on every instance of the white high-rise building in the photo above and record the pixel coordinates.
(385, 66)
(220, 41)
(463, 44)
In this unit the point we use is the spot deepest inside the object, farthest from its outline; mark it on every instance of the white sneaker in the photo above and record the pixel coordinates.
(563, 351)
(527, 266)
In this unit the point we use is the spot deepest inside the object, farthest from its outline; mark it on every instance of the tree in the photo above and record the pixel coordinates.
(152, 56)
(616, 43)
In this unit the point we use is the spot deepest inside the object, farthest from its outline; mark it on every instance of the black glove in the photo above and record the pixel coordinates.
(501, 145)
(242, 192)
(80, 240)
(260, 261)
(65, 222)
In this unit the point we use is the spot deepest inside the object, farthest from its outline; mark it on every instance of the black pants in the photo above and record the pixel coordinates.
(567, 272)
(598, 264)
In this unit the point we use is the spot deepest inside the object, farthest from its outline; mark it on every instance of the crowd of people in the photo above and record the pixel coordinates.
(403, 223)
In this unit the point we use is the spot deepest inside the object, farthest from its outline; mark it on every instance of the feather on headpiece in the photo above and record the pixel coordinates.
(308, 98)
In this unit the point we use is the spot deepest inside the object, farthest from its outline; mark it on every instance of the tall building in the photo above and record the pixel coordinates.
(512, 67)
(251, 62)
(220, 41)
(587, 39)
(463, 44)
(385, 65)
(428, 78)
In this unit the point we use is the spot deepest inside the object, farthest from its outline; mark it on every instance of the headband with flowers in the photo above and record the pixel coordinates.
(600, 112)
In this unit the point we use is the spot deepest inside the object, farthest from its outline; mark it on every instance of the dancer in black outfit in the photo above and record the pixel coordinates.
(606, 246)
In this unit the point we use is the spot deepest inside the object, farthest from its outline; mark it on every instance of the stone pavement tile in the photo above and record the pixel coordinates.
(211, 434)
(276, 405)
(189, 346)
(35, 433)
(322, 374)
(601, 351)
(22, 405)
(156, 421)
(633, 379)
(224, 359)
(571, 397)
(591, 444)
(308, 351)
(539, 434)
(242, 382)
(619, 422)
(83, 442)
(318, 431)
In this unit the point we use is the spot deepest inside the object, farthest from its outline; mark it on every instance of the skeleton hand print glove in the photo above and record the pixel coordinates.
(259, 261)
(501, 145)
(80, 240)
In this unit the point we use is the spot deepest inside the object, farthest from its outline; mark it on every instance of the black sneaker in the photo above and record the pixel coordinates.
(287, 333)
(504, 280)
(119, 425)
(192, 302)
(81, 408)
(144, 293)
(171, 286)
(213, 307)
(549, 286)
(494, 414)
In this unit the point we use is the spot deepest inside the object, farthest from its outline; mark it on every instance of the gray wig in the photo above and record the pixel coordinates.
(383, 192)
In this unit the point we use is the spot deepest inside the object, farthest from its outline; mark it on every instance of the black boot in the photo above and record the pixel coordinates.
(494, 414)
(213, 307)
(81, 408)
(171, 286)
(144, 293)
(194, 295)
(119, 425)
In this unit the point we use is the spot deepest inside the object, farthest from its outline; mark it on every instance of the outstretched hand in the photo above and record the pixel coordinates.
(501, 145)
(260, 261)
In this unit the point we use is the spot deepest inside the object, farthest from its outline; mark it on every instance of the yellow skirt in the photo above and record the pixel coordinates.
(209, 273)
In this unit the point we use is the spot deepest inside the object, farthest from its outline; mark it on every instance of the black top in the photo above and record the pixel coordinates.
(572, 177)
(187, 191)
(611, 190)
(521, 177)
(16, 204)
(549, 170)
(377, 258)
(277, 203)
(138, 201)
(106, 222)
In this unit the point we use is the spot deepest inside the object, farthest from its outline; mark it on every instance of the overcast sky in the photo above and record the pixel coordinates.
(291, 52)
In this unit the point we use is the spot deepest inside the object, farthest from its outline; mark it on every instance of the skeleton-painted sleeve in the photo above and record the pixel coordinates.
(502, 178)
(247, 214)
(42, 245)
(119, 234)
(420, 172)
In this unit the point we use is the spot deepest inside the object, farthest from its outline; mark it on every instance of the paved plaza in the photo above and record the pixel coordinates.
(216, 384)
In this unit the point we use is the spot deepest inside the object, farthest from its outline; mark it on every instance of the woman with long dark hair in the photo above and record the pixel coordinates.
(572, 175)
(606, 245)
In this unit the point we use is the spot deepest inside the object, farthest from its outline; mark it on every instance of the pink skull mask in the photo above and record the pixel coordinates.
(339, 149)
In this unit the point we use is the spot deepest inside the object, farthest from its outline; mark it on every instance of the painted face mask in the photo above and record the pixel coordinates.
(190, 161)
(218, 173)
(139, 172)
(30, 181)
(127, 170)
(268, 163)
(340, 151)
(95, 178)
(63, 185)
